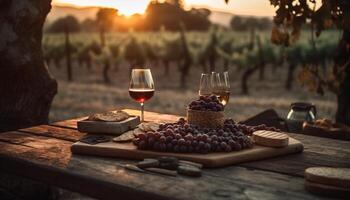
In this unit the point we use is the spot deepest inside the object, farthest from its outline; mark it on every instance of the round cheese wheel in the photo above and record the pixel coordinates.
(270, 138)
(339, 177)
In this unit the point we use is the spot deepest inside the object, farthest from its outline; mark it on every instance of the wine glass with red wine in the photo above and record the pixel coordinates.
(141, 87)
(221, 86)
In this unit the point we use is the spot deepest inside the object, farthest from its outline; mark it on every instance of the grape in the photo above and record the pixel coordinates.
(207, 147)
(156, 135)
(176, 148)
(199, 137)
(162, 139)
(183, 149)
(178, 136)
(201, 144)
(223, 145)
(142, 145)
(205, 137)
(156, 146)
(168, 139)
(174, 141)
(214, 138)
(136, 141)
(162, 147)
(169, 147)
(190, 149)
(181, 141)
(197, 149)
(169, 131)
(189, 137)
(141, 136)
(150, 141)
(237, 146)
(210, 103)
(228, 149)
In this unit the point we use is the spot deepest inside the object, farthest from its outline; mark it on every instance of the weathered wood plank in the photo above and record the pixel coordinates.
(70, 123)
(317, 152)
(38, 158)
(51, 151)
(55, 132)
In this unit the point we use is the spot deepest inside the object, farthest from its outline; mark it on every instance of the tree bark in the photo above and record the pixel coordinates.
(26, 87)
(106, 68)
(226, 65)
(290, 76)
(262, 72)
(166, 68)
(343, 59)
(245, 77)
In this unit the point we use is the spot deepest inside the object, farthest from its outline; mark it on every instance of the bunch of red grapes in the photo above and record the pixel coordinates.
(207, 103)
(181, 137)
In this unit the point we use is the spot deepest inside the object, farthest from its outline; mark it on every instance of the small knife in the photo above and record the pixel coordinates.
(159, 171)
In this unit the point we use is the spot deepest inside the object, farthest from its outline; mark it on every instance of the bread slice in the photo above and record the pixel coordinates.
(270, 138)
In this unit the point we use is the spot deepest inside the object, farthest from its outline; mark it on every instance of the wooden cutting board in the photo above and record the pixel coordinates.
(129, 151)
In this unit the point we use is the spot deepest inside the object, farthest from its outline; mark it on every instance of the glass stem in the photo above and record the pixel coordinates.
(142, 109)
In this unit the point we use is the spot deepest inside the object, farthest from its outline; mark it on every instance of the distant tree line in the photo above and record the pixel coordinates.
(159, 15)
(243, 23)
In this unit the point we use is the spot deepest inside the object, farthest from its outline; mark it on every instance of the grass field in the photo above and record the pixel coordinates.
(88, 94)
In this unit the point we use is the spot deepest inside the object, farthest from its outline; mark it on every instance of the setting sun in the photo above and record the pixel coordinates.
(124, 7)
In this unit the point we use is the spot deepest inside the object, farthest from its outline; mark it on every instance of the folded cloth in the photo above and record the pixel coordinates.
(268, 117)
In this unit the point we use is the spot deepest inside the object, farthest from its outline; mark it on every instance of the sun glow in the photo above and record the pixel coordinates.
(130, 7)
(125, 7)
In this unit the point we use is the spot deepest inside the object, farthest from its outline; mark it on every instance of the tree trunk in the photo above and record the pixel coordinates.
(106, 68)
(184, 72)
(57, 63)
(26, 87)
(262, 72)
(226, 65)
(212, 61)
(166, 68)
(245, 77)
(204, 66)
(68, 54)
(343, 58)
(102, 37)
(290, 76)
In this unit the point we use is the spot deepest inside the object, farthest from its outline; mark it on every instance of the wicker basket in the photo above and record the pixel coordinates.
(209, 119)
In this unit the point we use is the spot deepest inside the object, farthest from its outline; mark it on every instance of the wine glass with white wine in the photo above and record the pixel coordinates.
(205, 85)
(220, 84)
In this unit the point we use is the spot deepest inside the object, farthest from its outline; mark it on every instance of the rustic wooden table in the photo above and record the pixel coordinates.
(42, 153)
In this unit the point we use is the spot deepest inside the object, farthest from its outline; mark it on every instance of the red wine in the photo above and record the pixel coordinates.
(141, 95)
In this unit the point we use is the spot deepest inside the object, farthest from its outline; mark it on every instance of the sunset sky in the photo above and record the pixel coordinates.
(129, 7)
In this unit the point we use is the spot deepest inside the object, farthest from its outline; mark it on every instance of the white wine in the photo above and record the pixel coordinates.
(223, 96)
